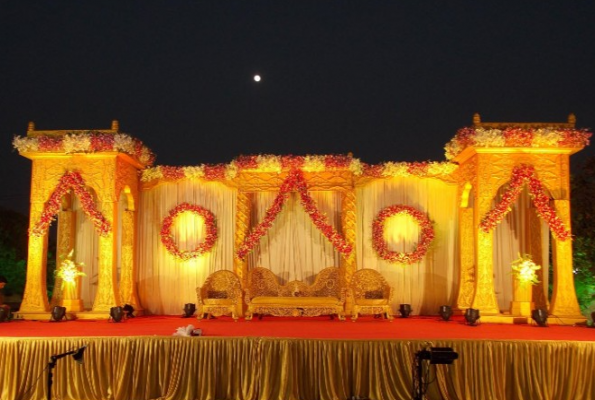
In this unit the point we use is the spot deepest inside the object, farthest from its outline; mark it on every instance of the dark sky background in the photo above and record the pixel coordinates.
(386, 80)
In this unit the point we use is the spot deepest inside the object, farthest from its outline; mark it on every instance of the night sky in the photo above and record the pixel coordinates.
(385, 80)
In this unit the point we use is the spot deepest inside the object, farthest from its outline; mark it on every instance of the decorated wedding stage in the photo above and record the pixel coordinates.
(474, 232)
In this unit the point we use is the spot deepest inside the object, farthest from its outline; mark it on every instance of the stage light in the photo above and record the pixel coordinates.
(116, 313)
(539, 316)
(77, 355)
(471, 316)
(445, 312)
(128, 311)
(3, 314)
(58, 314)
(189, 310)
(438, 355)
(405, 310)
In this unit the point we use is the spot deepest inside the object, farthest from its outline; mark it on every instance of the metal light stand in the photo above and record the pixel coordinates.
(77, 354)
(435, 355)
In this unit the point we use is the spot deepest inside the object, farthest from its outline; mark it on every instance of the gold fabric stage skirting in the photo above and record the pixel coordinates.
(138, 368)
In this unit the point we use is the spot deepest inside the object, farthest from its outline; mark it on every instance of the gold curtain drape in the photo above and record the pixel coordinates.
(309, 369)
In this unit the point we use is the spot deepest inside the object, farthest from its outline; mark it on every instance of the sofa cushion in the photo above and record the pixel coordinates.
(371, 302)
(295, 301)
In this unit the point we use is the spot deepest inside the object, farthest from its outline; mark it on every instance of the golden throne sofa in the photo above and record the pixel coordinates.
(265, 296)
(221, 294)
(371, 294)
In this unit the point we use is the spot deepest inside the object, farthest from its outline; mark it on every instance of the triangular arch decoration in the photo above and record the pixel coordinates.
(520, 175)
(74, 181)
(294, 182)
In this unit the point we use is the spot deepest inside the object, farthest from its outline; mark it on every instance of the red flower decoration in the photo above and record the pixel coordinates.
(74, 181)
(168, 240)
(295, 182)
(379, 244)
(521, 175)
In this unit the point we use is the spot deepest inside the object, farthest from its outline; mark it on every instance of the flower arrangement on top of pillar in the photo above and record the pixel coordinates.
(70, 272)
(524, 272)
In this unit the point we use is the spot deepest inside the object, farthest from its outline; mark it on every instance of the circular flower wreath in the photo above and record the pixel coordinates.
(427, 235)
(168, 240)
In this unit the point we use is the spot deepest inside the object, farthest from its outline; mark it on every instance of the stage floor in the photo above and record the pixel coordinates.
(366, 327)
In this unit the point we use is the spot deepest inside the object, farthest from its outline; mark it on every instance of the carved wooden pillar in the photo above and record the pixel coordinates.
(243, 210)
(536, 250)
(35, 299)
(564, 302)
(467, 254)
(128, 293)
(107, 292)
(348, 222)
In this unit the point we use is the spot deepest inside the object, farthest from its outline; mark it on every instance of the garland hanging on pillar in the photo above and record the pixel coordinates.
(68, 181)
(295, 182)
(521, 174)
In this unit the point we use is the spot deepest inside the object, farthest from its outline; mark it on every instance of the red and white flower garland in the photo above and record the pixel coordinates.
(211, 231)
(520, 175)
(74, 181)
(295, 182)
(379, 244)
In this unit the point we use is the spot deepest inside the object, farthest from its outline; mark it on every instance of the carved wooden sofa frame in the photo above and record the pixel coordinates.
(265, 296)
(371, 294)
(220, 295)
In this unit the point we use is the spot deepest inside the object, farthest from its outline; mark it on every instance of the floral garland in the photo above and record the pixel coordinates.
(295, 182)
(520, 175)
(74, 181)
(276, 164)
(379, 244)
(86, 142)
(516, 137)
(168, 240)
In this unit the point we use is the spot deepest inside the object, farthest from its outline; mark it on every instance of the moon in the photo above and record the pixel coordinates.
(257, 78)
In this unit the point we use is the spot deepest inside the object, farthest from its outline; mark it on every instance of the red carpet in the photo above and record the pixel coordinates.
(320, 327)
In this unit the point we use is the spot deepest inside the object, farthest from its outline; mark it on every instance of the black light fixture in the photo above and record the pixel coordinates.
(445, 312)
(116, 313)
(128, 311)
(471, 316)
(58, 314)
(405, 310)
(189, 310)
(435, 355)
(539, 315)
(77, 355)
(3, 314)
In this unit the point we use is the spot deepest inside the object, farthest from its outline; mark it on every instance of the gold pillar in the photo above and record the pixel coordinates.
(108, 294)
(35, 299)
(348, 222)
(244, 204)
(536, 250)
(467, 254)
(564, 302)
(485, 296)
(128, 293)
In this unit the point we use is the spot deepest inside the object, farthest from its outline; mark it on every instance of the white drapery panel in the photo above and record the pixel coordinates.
(294, 248)
(512, 238)
(165, 283)
(431, 282)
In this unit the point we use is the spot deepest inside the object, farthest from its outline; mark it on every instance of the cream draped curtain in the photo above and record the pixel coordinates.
(165, 283)
(432, 282)
(294, 248)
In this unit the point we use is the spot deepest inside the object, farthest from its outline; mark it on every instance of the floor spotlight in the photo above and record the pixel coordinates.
(116, 313)
(445, 312)
(471, 316)
(128, 311)
(539, 316)
(405, 310)
(189, 310)
(58, 314)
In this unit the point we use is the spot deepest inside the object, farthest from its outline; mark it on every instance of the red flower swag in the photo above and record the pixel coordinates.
(294, 182)
(168, 240)
(74, 181)
(379, 244)
(520, 175)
